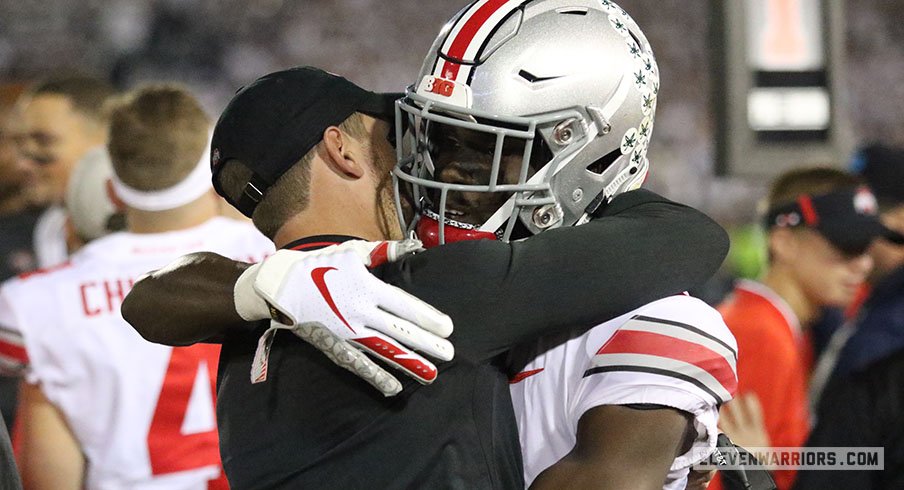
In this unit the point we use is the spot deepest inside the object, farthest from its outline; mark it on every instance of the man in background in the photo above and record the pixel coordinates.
(61, 120)
(819, 225)
(16, 176)
(16, 225)
(878, 331)
(102, 408)
(863, 403)
(18, 218)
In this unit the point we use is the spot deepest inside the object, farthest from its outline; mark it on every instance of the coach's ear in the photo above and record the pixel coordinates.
(342, 152)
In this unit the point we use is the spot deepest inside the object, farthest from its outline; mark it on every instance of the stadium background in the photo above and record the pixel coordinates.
(216, 46)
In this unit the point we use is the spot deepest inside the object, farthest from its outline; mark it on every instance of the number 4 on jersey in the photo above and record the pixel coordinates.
(173, 445)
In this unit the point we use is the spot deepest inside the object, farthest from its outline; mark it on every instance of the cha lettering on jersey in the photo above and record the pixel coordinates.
(103, 296)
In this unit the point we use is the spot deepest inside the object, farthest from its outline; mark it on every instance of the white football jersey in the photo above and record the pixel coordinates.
(142, 413)
(675, 352)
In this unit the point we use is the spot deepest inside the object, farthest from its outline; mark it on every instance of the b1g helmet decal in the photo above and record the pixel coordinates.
(571, 85)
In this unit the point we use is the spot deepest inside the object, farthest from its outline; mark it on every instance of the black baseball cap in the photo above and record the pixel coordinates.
(270, 124)
(847, 218)
(882, 167)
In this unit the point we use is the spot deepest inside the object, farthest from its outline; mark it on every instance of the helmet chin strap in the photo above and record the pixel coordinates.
(428, 233)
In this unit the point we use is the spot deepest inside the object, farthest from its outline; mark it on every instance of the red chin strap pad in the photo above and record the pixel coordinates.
(428, 233)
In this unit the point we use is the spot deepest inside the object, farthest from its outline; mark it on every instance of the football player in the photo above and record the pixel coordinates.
(101, 407)
(498, 86)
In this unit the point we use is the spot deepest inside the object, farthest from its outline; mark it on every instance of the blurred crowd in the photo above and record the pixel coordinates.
(59, 193)
(379, 47)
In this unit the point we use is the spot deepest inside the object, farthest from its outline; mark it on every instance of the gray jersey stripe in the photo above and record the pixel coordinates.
(10, 367)
(665, 364)
(661, 372)
(687, 327)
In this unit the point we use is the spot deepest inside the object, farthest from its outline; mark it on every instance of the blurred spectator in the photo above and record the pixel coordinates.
(863, 409)
(62, 119)
(101, 407)
(17, 178)
(819, 225)
(17, 221)
(57, 121)
(863, 403)
(16, 224)
(879, 330)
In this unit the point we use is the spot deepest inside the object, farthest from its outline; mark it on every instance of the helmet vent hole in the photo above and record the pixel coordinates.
(600, 166)
(636, 39)
(530, 77)
(572, 10)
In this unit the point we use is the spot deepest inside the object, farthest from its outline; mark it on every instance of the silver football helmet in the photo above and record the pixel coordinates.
(561, 93)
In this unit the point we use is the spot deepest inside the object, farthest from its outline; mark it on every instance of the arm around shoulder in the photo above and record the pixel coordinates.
(644, 247)
(190, 300)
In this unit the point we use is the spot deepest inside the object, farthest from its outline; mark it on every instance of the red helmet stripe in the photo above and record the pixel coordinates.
(450, 70)
(469, 29)
(466, 36)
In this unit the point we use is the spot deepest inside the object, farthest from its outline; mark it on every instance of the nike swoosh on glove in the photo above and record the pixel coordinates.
(329, 298)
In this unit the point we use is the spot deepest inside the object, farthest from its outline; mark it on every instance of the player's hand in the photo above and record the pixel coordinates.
(742, 420)
(698, 479)
(330, 299)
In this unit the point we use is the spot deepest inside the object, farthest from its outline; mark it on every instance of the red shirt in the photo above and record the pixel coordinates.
(771, 364)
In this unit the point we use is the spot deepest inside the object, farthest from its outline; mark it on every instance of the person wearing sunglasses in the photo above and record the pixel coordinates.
(819, 225)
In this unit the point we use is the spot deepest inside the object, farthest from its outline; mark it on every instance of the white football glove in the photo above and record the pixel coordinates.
(328, 298)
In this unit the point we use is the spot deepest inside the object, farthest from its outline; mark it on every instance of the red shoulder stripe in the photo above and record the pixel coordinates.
(13, 351)
(653, 344)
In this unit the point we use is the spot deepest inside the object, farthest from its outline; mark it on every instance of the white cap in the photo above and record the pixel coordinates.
(87, 200)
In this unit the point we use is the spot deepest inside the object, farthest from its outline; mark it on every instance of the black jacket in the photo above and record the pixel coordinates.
(312, 425)
(864, 409)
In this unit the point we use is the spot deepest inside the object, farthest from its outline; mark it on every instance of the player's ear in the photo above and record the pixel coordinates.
(341, 153)
(114, 198)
